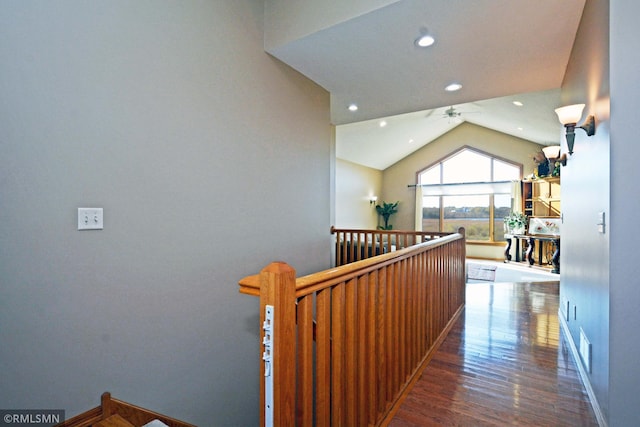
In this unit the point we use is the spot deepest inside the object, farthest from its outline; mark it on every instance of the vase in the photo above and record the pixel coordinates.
(517, 230)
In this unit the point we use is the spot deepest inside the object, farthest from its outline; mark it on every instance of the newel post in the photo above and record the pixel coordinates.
(278, 343)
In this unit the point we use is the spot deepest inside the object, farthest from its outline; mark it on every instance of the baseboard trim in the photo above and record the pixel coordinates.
(584, 377)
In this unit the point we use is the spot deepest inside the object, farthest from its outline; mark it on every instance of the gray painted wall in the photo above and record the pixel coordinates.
(585, 282)
(210, 158)
(600, 271)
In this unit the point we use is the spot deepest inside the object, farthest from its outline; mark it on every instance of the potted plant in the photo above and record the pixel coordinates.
(385, 211)
(515, 222)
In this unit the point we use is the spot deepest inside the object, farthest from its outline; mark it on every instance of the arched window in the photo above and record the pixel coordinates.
(470, 189)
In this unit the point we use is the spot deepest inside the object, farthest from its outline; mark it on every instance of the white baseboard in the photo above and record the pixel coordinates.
(602, 422)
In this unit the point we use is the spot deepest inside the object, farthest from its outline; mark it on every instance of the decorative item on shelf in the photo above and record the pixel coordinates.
(515, 223)
(569, 117)
(542, 168)
(385, 211)
(552, 152)
(373, 200)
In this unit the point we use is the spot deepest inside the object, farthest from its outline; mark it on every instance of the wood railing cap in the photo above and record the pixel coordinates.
(250, 285)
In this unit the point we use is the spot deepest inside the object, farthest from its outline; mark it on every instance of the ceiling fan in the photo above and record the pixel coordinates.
(452, 114)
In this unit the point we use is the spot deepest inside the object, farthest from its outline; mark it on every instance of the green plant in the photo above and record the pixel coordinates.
(515, 220)
(385, 211)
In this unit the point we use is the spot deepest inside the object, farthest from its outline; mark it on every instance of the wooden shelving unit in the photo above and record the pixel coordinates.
(541, 197)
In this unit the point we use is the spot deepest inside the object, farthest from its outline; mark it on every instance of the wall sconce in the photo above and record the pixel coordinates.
(569, 117)
(552, 153)
(373, 200)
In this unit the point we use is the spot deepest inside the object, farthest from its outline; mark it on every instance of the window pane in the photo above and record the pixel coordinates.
(431, 175)
(466, 166)
(501, 208)
(431, 213)
(470, 212)
(503, 171)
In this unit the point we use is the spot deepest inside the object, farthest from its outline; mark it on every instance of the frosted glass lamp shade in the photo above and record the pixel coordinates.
(570, 114)
(552, 151)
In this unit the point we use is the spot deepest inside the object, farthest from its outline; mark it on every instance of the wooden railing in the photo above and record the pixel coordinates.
(355, 244)
(344, 344)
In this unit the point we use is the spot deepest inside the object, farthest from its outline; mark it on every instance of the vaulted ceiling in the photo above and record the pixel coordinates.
(500, 51)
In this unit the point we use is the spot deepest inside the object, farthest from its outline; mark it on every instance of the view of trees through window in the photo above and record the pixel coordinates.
(480, 214)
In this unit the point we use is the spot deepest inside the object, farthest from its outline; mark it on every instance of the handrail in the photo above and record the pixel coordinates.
(307, 284)
(344, 343)
(250, 285)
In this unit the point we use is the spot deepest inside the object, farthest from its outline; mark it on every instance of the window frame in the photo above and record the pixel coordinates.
(492, 158)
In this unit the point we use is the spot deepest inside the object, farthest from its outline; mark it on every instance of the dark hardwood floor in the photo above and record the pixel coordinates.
(505, 362)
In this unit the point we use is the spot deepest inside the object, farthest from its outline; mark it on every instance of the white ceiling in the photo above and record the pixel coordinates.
(499, 50)
(368, 144)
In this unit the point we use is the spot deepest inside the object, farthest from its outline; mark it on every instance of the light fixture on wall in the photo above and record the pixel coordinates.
(373, 200)
(552, 153)
(569, 117)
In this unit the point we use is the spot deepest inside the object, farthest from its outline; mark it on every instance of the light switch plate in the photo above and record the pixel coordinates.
(600, 223)
(90, 219)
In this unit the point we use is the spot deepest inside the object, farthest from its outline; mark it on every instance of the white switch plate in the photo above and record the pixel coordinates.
(90, 219)
(600, 223)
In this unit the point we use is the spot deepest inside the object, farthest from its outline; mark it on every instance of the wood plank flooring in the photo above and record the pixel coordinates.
(505, 362)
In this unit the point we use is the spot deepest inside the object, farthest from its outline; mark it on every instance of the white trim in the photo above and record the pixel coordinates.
(466, 188)
(602, 422)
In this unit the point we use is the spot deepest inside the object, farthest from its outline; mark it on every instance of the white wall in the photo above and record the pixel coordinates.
(356, 184)
(210, 159)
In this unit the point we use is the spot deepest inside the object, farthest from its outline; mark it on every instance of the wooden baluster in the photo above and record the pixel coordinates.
(395, 325)
(304, 402)
(363, 348)
(351, 352)
(337, 355)
(383, 331)
(373, 353)
(323, 358)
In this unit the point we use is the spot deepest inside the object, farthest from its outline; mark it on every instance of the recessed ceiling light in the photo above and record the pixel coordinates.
(518, 103)
(383, 123)
(453, 87)
(520, 128)
(353, 107)
(411, 141)
(425, 40)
